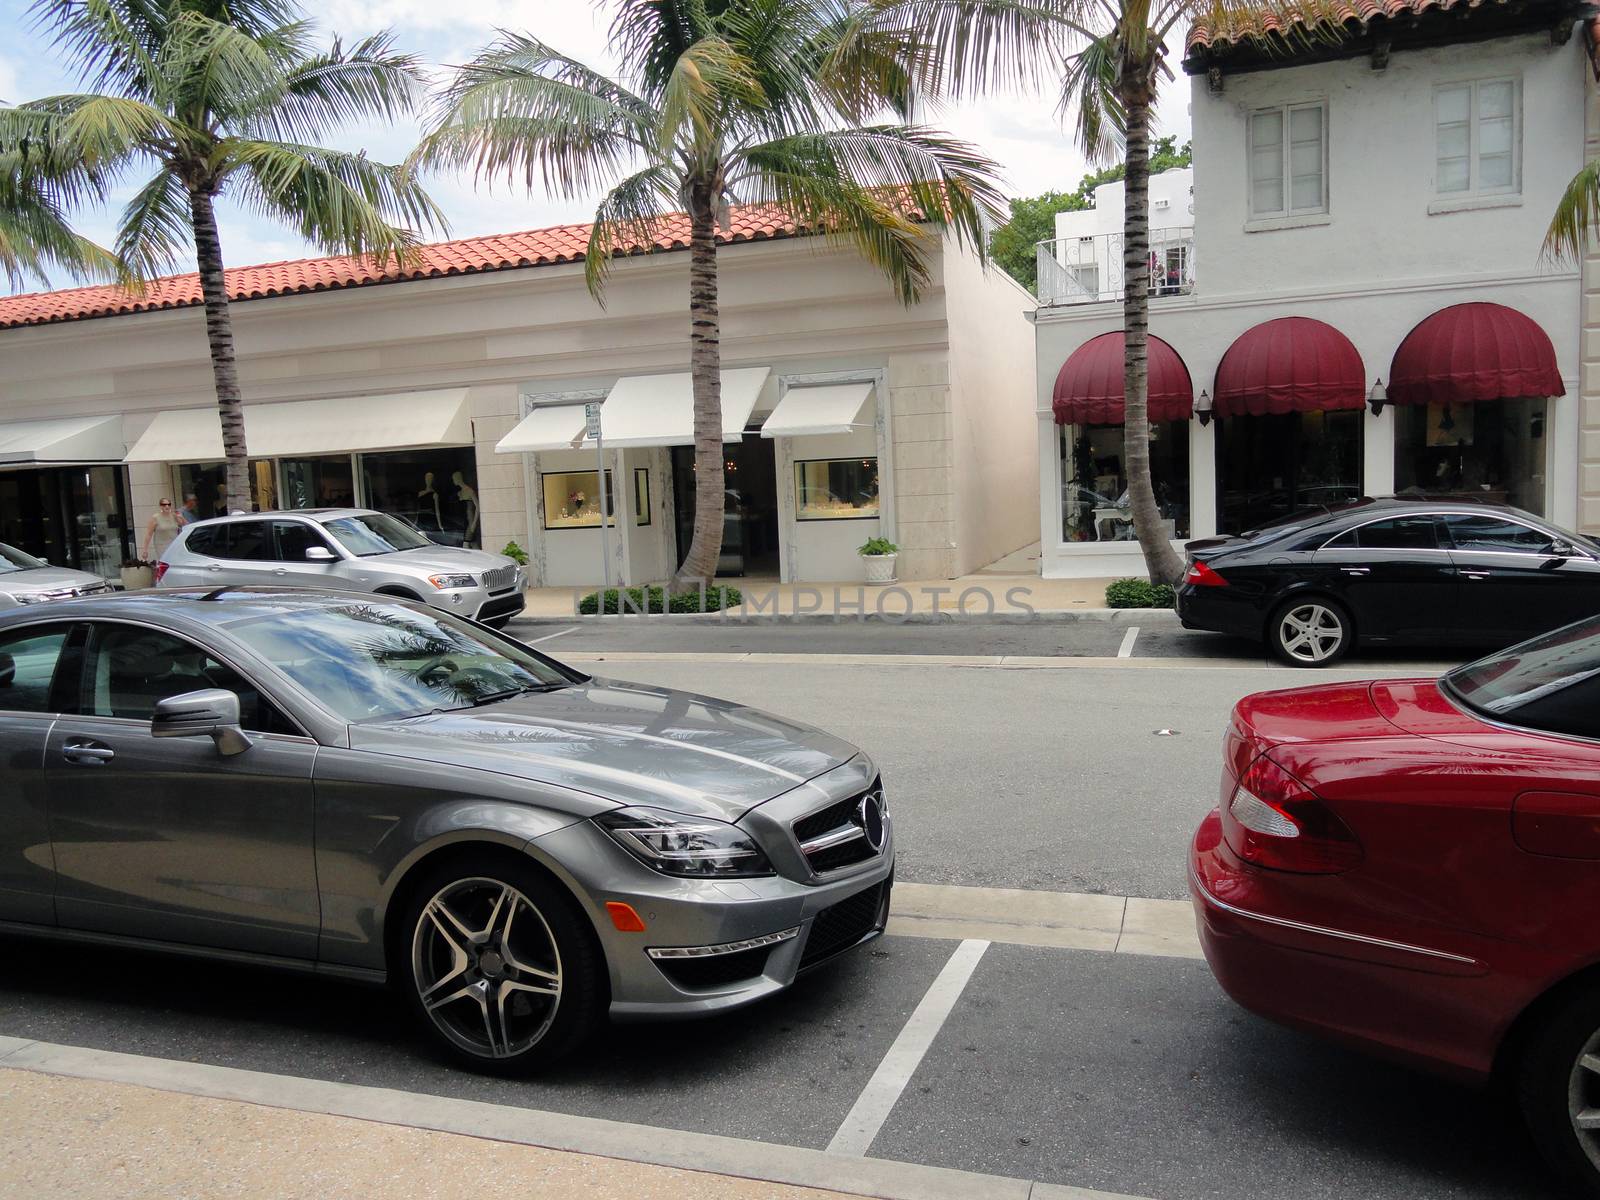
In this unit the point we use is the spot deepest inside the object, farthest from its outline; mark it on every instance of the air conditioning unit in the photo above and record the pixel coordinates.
(1160, 204)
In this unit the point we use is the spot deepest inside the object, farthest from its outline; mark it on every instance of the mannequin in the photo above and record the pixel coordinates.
(469, 497)
(428, 491)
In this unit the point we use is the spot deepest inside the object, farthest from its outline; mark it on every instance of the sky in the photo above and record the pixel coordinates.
(1022, 133)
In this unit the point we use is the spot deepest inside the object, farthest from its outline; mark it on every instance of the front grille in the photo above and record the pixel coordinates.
(499, 579)
(715, 971)
(842, 816)
(842, 925)
(501, 606)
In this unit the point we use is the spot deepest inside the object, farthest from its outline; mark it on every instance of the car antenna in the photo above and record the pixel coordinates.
(216, 594)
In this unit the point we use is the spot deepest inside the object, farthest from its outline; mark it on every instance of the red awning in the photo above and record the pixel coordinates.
(1089, 388)
(1292, 364)
(1471, 352)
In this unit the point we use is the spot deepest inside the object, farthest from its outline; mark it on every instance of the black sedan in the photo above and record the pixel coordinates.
(1391, 572)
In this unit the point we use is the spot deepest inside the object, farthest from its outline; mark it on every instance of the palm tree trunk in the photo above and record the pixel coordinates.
(219, 333)
(1161, 561)
(705, 366)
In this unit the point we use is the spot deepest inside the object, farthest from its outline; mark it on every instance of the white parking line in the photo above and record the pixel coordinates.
(1126, 649)
(871, 1109)
(550, 637)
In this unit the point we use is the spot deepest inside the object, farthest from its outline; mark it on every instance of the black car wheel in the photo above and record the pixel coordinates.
(1558, 1088)
(1310, 631)
(498, 966)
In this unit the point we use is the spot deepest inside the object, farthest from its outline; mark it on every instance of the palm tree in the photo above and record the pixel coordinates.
(1108, 58)
(723, 102)
(222, 97)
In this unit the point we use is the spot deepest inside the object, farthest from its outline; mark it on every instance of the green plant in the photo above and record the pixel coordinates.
(875, 546)
(1139, 593)
(800, 106)
(716, 599)
(515, 553)
(630, 600)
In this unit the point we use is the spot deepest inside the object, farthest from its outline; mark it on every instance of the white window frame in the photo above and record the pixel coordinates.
(1286, 175)
(1474, 189)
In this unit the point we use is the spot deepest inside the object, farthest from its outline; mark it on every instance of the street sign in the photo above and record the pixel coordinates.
(591, 417)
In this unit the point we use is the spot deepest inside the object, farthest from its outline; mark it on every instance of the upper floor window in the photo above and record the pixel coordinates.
(1289, 160)
(1475, 127)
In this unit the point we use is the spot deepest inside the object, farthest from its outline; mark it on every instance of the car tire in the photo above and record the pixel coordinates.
(1310, 631)
(1553, 1085)
(498, 964)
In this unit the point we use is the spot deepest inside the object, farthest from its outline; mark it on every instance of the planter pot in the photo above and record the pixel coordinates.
(134, 578)
(880, 567)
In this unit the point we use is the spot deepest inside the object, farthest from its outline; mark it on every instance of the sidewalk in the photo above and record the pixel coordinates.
(971, 595)
(98, 1140)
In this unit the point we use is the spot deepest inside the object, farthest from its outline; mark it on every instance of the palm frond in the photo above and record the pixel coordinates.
(210, 68)
(112, 44)
(979, 46)
(630, 214)
(1575, 219)
(522, 111)
(338, 86)
(98, 132)
(1089, 88)
(155, 228)
(343, 202)
(708, 79)
(650, 35)
(35, 237)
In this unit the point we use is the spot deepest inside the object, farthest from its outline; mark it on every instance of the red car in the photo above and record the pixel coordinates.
(1413, 867)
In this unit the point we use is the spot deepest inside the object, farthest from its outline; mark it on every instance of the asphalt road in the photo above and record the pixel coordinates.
(1130, 1074)
(1054, 779)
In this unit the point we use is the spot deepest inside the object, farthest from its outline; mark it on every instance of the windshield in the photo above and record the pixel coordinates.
(377, 661)
(12, 559)
(375, 533)
(1550, 683)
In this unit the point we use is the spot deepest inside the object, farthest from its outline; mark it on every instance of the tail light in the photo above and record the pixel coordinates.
(1275, 821)
(157, 570)
(1200, 575)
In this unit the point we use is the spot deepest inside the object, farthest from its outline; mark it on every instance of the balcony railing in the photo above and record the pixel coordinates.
(1085, 270)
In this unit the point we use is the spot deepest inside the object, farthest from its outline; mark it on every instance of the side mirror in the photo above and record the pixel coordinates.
(210, 712)
(320, 554)
(1561, 548)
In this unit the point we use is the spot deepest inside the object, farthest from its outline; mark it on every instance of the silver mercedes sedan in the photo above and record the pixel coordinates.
(25, 579)
(369, 787)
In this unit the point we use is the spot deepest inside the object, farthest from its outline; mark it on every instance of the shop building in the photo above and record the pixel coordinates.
(1362, 307)
(452, 392)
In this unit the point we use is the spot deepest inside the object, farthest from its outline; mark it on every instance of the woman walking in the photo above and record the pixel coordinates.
(158, 534)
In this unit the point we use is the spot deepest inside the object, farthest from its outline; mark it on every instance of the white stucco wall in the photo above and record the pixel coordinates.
(1373, 267)
(1171, 205)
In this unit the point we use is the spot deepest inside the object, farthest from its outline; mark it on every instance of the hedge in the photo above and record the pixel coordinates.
(1139, 593)
(655, 600)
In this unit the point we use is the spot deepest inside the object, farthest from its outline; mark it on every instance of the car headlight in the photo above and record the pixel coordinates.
(445, 582)
(27, 597)
(680, 845)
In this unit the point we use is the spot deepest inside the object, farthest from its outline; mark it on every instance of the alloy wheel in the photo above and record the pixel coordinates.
(486, 968)
(1310, 633)
(1583, 1098)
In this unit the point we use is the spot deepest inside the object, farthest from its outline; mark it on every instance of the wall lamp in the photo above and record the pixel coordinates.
(1378, 396)
(1202, 407)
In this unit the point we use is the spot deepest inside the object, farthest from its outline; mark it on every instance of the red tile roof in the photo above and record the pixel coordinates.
(1283, 19)
(506, 251)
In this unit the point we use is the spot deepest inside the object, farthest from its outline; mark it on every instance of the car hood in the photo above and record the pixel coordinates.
(48, 579)
(623, 742)
(441, 558)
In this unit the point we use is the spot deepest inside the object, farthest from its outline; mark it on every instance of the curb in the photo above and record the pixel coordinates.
(1048, 616)
(710, 1153)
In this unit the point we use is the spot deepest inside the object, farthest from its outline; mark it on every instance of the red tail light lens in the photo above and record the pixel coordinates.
(1200, 575)
(1275, 821)
(157, 571)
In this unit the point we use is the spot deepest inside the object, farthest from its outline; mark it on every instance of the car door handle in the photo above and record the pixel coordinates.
(1473, 574)
(281, 571)
(1356, 570)
(87, 754)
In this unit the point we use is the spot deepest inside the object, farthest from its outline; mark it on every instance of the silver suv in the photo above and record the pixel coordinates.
(349, 549)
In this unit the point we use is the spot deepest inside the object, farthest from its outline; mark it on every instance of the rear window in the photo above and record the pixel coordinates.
(1551, 683)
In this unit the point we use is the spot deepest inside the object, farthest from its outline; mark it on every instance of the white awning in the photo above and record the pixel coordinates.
(658, 410)
(396, 421)
(63, 440)
(804, 411)
(557, 427)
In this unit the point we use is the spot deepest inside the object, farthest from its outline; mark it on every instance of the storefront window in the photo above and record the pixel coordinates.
(208, 484)
(326, 482)
(836, 489)
(1492, 451)
(572, 499)
(1270, 467)
(436, 490)
(641, 496)
(68, 516)
(1094, 499)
